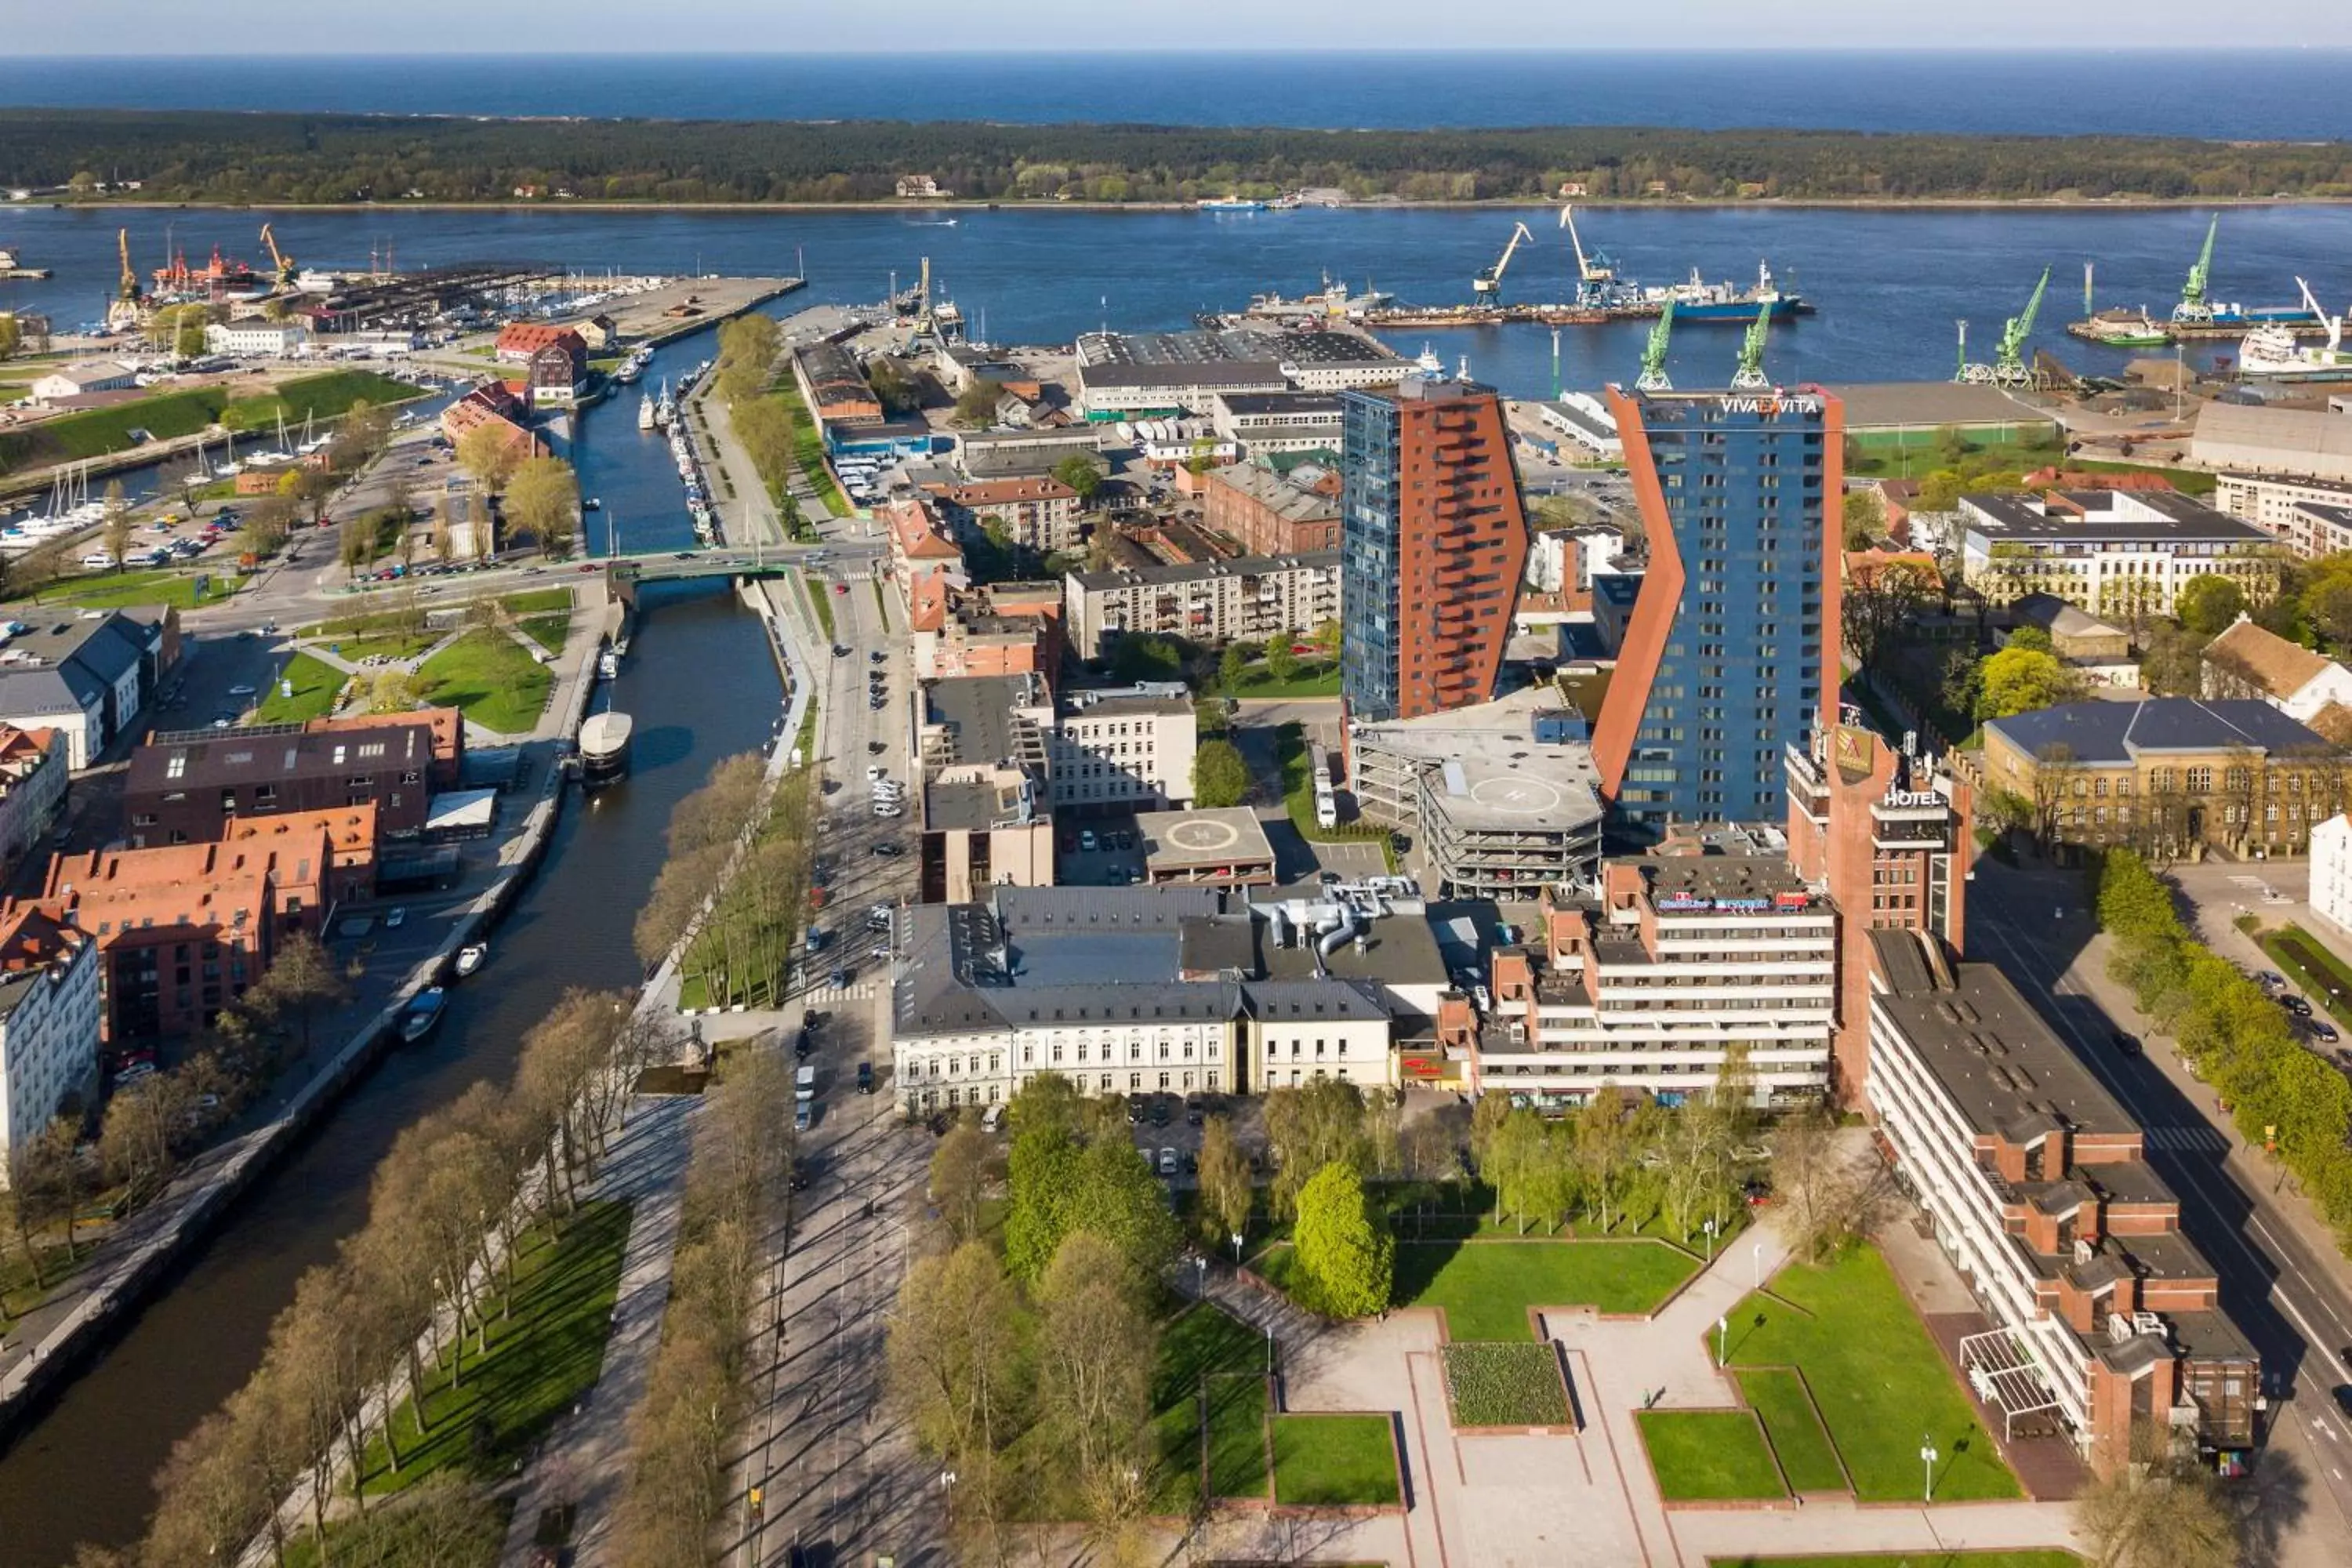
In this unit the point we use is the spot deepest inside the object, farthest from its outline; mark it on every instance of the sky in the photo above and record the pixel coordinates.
(585, 26)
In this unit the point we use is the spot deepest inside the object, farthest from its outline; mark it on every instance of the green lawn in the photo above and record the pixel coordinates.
(538, 601)
(1205, 1352)
(489, 676)
(808, 447)
(1314, 679)
(1709, 1455)
(325, 396)
(2045, 1559)
(315, 685)
(385, 644)
(1778, 1397)
(1881, 1383)
(112, 590)
(1504, 1385)
(95, 432)
(1333, 1461)
(1487, 1287)
(541, 1359)
(547, 631)
(820, 593)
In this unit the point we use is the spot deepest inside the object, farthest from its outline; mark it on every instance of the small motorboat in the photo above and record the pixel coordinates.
(423, 1013)
(592, 504)
(470, 956)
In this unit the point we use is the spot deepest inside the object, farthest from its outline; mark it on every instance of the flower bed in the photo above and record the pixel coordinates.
(1506, 1385)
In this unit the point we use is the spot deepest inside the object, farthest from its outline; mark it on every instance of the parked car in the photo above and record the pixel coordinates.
(2296, 1006)
(866, 1077)
(1167, 1162)
(888, 849)
(2323, 1031)
(2127, 1044)
(1137, 1105)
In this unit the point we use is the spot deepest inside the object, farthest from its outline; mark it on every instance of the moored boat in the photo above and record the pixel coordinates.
(470, 957)
(418, 1019)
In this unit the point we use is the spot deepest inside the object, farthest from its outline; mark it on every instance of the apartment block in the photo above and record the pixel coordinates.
(183, 787)
(1270, 513)
(48, 1023)
(2312, 517)
(1248, 598)
(1650, 985)
(2107, 1320)
(181, 932)
(1434, 544)
(1737, 616)
(2123, 553)
(1090, 751)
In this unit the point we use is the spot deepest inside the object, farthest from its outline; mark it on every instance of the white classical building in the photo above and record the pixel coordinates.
(251, 339)
(1103, 751)
(48, 1025)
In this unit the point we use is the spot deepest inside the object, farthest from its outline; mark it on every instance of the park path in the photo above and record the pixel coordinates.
(584, 1458)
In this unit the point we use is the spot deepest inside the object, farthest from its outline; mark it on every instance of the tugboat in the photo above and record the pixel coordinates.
(423, 1015)
(470, 956)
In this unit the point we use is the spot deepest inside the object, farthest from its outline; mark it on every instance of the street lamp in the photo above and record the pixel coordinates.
(1756, 1254)
(1927, 1457)
(946, 1486)
(1237, 1250)
(1709, 1227)
(1722, 1340)
(1269, 1349)
(1201, 1273)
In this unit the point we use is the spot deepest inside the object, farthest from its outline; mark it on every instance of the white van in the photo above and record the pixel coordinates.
(98, 561)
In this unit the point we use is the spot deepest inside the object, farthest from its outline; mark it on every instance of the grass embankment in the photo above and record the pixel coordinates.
(389, 633)
(489, 675)
(2308, 963)
(1335, 1461)
(1315, 676)
(1795, 1428)
(1878, 1379)
(1709, 1456)
(543, 1353)
(808, 447)
(98, 432)
(820, 597)
(112, 590)
(542, 614)
(315, 685)
(1298, 768)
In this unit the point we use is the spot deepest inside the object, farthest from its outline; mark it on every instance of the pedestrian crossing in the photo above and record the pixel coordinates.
(2198, 1140)
(827, 996)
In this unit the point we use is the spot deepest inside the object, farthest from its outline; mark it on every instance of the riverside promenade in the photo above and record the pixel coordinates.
(49, 1344)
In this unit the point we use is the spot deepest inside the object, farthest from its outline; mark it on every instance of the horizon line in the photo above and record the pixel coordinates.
(1271, 53)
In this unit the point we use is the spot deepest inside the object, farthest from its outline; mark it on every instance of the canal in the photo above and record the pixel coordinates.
(702, 684)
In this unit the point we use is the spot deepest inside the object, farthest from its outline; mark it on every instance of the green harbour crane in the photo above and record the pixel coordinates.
(1750, 376)
(2195, 309)
(1653, 354)
(2007, 367)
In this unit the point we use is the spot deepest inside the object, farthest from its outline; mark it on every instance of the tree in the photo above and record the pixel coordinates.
(1879, 603)
(143, 1122)
(1864, 519)
(1951, 445)
(2327, 603)
(12, 336)
(959, 1178)
(955, 1349)
(975, 406)
(1220, 776)
(302, 978)
(1605, 1151)
(1281, 662)
(2162, 1512)
(1345, 1257)
(2033, 638)
(1232, 665)
(1117, 1198)
(2020, 680)
(1225, 1188)
(489, 453)
(1311, 1126)
(2207, 604)
(1083, 473)
(1096, 1347)
(2172, 664)
(117, 533)
(542, 500)
(1819, 1184)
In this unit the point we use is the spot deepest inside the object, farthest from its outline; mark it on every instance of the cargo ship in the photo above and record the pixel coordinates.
(1333, 300)
(2270, 351)
(12, 268)
(2123, 329)
(1697, 302)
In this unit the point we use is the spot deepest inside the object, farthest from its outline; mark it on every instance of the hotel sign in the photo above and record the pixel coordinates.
(1913, 800)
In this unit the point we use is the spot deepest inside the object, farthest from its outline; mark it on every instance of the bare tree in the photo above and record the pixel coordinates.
(1605, 1151)
(2160, 1512)
(212, 1497)
(302, 977)
(955, 1353)
(117, 530)
(1827, 1189)
(960, 1177)
(136, 1141)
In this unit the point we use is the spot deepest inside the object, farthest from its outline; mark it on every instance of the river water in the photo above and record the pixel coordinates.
(702, 685)
(1890, 282)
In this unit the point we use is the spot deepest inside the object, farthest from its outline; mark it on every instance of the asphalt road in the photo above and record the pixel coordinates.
(2286, 1298)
